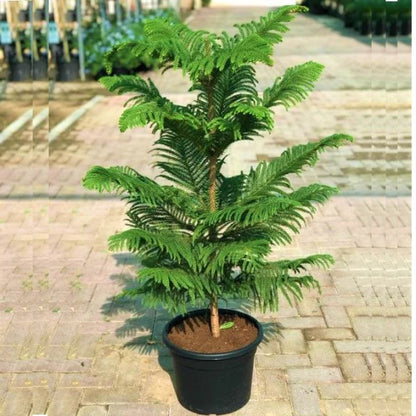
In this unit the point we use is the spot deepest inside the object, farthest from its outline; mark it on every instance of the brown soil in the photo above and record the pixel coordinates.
(194, 334)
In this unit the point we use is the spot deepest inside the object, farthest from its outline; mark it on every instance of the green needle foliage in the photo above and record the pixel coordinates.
(207, 236)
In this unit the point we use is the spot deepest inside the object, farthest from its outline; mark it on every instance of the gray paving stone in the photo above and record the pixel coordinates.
(339, 407)
(316, 334)
(280, 361)
(272, 384)
(17, 402)
(388, 391)
(314, 375)
(97, 396)
(336, 317)
(64, 401)
(305, 400)
(322, 353)
(354, 367)
(138, 409)
(292, 341)
(372, 346)
(92, 411)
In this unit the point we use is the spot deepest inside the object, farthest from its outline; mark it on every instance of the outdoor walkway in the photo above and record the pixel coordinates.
(347, 352)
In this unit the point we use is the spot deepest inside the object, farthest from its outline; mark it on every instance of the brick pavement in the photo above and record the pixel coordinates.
(345, 352)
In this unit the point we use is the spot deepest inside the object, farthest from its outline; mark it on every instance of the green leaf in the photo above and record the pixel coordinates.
(227, 325)
(294, 86)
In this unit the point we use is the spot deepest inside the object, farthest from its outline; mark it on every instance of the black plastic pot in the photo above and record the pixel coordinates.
(213, 383)
(40, 68)
(379, 26)
(67, 71)
(348, 19)
(21, 71)
(365, 26)
(406, 26)
(393, 28)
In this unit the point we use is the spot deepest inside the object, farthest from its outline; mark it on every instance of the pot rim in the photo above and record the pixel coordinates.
(211, 356)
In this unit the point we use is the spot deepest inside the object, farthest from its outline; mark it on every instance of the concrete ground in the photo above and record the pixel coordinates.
(68, 349)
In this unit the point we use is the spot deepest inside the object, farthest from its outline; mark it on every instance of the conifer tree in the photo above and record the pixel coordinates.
(206, 237)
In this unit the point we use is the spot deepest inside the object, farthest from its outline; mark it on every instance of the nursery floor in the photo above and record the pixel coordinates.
(66, 349)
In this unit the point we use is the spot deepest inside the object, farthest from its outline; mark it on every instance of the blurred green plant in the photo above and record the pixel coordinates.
(101, 37)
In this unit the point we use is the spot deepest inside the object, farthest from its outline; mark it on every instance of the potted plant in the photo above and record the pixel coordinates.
(206, 237)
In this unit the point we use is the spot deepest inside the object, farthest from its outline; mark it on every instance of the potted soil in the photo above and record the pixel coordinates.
(206, 237)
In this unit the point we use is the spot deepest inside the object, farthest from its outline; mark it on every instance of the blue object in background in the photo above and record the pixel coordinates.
(53, 35)
(5, 34)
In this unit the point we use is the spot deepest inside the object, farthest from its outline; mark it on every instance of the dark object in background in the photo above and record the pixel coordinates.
(365, 27)
(23, 16)
(67, 71)
(393, 26)
(40, 68)
(20, 71)
(71, 15)
(406, 26)
(39, 14)
(379, 25)
(315, 6)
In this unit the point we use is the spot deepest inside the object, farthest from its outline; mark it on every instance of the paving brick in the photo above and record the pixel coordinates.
(265, 408)
(305, 400)
(41, 398)
(382, 328)
(79, 380)
(272, 384)
(92, 411)
(64, 402)
(17, 402)
(309, 307)
(106, 359)
(156, 386)
(376, 367)
(322, 353)
(372, 346)
(303, 322)
(382, 407)
(336, 317)
(280, 361)
(138, 409)
(328, 334)
(339, 408)
(292, 341)
(386, 391)
(354, 367)
(314, 375)
(97, 396)
(404, 372)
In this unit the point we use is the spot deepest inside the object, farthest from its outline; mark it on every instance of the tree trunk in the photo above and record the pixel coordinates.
(215, 318)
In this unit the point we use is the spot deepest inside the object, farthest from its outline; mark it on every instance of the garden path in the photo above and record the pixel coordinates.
(345, 352)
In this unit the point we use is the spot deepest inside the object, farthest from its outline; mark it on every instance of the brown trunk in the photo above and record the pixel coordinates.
(212, 183)
(212, 194)
(215, 320)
